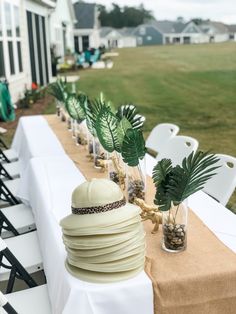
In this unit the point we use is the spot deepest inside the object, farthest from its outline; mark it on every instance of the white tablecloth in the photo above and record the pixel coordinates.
(34, 138)
(52, 181)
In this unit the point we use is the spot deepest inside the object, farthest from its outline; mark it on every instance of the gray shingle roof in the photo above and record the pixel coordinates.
(124, 32)
(219, 27)
(169, 26)
(85, 14)
(232, 28)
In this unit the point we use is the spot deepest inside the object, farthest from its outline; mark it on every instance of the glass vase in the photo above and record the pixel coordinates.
(69, 123)
(81, 135)
(99, 154)
(116, 169)
(136, 183)
(74, 128)
(174, 227)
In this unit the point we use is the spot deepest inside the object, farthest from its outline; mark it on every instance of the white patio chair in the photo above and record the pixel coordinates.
(20, 256)
(10, 171)
(29, 301)
(159, 135)
(177, 148)
(223, 184)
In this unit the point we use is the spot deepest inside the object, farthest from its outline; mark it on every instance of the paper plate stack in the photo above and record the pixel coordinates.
(103, 236)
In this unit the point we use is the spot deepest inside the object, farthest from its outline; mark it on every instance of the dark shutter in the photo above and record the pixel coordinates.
(2, 65)
(31, 47)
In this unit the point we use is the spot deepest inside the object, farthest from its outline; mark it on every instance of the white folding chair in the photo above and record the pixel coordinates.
(177, 148)
(29, 301)
(19, 257)
(8, 155)
(222, 185)
(15, 220)
(10, 171)
(8, 190)
(159, 135)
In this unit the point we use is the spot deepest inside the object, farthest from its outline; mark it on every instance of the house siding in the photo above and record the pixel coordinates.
(151, 36)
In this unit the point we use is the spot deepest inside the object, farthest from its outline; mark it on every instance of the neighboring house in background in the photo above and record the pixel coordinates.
(61, 23)
(216, 31)
(86, 31)
(117, 38)
(232, 32)
(169, 32)
(24, 43)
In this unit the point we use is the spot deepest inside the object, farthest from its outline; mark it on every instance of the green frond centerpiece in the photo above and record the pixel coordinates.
(133, 147)
(130, 112)
(106, 128)
(75, 106)
(173, 186)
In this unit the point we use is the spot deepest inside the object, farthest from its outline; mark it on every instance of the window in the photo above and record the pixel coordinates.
(149, 38)
(142, 31)
(2, 65)
(8, 21)
(19, 56)
(10, 51)
(11, 57)
(0, 21)
(17, 21)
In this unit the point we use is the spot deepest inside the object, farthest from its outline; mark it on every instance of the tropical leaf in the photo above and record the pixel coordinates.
(161, 170)
(133, 147)
(196, 170)
(175, 184)
(59, 90)
(75, 106)
(92, 109)
(122, 127)
(106, 128)
(130, 113)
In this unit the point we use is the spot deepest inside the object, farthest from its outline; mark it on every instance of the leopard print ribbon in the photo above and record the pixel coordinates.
(98, 209)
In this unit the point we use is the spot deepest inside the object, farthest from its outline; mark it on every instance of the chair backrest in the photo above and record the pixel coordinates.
(6, 305)
(15, 267)
(160, 134)
(6, 195)
(223, 184)
(177, 148)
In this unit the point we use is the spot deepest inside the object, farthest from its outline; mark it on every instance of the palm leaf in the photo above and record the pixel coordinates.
(75, 106)
(174, 185)
(92, 109)
(130, 113)
(133, 147)
(161, 170)
(196, 170)
(106, 128)
(58, 90)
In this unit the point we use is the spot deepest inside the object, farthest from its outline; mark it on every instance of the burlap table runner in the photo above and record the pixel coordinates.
(200, 280)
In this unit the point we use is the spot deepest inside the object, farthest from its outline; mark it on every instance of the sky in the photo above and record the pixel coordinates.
(217, 10)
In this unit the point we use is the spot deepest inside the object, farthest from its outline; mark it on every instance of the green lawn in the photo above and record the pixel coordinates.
(193, 86)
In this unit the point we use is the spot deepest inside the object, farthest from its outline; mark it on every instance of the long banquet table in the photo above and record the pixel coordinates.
(46, 184)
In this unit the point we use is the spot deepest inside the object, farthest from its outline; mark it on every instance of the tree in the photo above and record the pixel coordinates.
(127, 16)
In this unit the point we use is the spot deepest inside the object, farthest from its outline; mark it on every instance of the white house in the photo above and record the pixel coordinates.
(232, 32)
(216, 31)
(24, 43)
(86, 32)
(61, 24)
(117, 38)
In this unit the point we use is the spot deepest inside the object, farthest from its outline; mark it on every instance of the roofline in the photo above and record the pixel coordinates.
(198, 28)
(49, 3)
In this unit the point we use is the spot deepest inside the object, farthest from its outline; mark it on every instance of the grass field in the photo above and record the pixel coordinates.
(193, 86)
